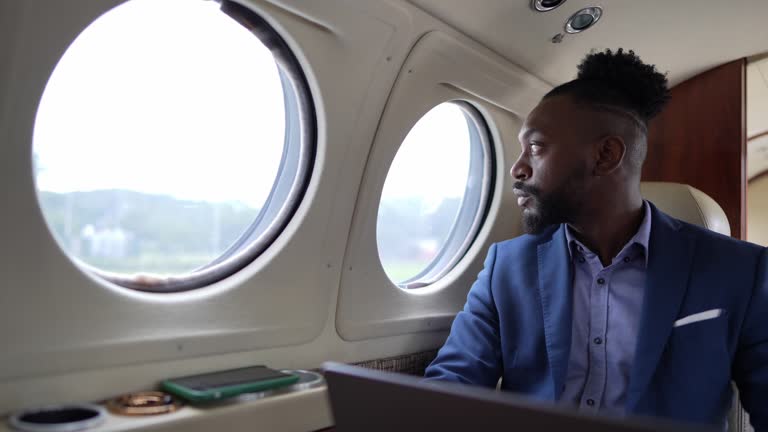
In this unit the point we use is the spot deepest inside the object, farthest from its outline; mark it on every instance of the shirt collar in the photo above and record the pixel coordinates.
(641, 238)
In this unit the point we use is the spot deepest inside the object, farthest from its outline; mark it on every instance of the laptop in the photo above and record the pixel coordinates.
(368, 400)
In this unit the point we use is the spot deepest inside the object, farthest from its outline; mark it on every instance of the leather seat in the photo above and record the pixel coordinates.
(694, 206)
(688, 204)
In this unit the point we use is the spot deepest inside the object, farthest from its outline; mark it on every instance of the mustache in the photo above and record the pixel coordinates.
(529, 189)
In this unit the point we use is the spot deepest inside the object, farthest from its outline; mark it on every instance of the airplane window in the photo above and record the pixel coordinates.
(172, 143)
(435, 195)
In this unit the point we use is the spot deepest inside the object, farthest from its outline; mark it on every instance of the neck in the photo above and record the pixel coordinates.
(608, 224)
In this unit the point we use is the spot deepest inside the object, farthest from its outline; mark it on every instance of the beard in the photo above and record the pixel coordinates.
(554, 208)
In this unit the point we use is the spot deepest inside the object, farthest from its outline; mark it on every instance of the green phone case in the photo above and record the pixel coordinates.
(217, 393)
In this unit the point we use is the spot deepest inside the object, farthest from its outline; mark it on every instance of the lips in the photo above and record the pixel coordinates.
(522, 197)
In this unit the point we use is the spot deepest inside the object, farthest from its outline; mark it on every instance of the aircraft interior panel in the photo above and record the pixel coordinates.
(513, 32)
(439, 69)
(116, 339)
(757, 150)
(757, 210)
(367, 73)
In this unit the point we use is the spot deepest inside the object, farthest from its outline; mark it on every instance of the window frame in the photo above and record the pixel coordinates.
(475, 202)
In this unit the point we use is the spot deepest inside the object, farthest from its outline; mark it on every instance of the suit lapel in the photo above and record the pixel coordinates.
(669, 265)
(555, 279)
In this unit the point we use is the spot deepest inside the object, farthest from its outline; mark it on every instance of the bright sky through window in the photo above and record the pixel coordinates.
(432, 162)
(169, 97)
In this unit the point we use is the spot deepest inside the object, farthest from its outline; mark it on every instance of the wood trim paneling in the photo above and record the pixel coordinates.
(700, 139)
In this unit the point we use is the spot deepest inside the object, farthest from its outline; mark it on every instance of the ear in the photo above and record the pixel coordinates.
(609, 154)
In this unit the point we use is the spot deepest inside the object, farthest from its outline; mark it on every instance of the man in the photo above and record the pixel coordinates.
(608, 304)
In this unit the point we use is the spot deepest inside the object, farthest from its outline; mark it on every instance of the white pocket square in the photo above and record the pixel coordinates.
(701, 316)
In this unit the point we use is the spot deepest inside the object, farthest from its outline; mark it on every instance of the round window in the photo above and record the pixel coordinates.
(435, 195)
(168, 158)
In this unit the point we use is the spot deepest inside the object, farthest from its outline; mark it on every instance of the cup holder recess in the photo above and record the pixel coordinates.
(58, 418)
(307, 380)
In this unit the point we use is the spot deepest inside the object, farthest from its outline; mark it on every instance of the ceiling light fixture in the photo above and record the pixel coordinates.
(545, 5)
(583, 19)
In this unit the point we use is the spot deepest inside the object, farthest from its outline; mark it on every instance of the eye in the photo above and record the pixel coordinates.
(535, 148)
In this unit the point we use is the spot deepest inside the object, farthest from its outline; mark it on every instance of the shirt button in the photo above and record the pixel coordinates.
(582, 260)
(600, 281)
(590, 402)
(627, 259)
(597, 341)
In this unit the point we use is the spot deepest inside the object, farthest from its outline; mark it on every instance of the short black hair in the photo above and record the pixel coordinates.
(618, 81)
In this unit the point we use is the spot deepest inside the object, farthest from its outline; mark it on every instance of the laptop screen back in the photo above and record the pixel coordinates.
(368, 400)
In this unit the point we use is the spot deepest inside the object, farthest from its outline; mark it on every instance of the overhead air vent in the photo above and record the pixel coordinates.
(545, 5)
(583, 19)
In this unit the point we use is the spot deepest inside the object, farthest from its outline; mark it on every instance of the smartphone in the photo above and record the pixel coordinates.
(229, 383)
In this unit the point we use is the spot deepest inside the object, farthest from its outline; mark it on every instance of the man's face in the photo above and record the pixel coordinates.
(553, 173)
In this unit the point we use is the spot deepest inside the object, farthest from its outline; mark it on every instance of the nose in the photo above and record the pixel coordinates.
(521, 170)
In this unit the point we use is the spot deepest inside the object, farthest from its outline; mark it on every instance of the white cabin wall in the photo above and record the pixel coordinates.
(757, 150)
(757, 211)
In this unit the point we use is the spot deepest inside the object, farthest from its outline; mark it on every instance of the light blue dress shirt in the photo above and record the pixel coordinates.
(607, 302)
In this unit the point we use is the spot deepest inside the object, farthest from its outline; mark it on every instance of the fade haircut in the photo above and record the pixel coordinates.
(620, 83)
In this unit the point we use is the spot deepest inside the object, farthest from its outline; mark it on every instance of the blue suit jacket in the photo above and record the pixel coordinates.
(516, 324)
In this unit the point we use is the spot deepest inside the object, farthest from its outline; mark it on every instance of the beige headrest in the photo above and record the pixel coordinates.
(688, 204)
